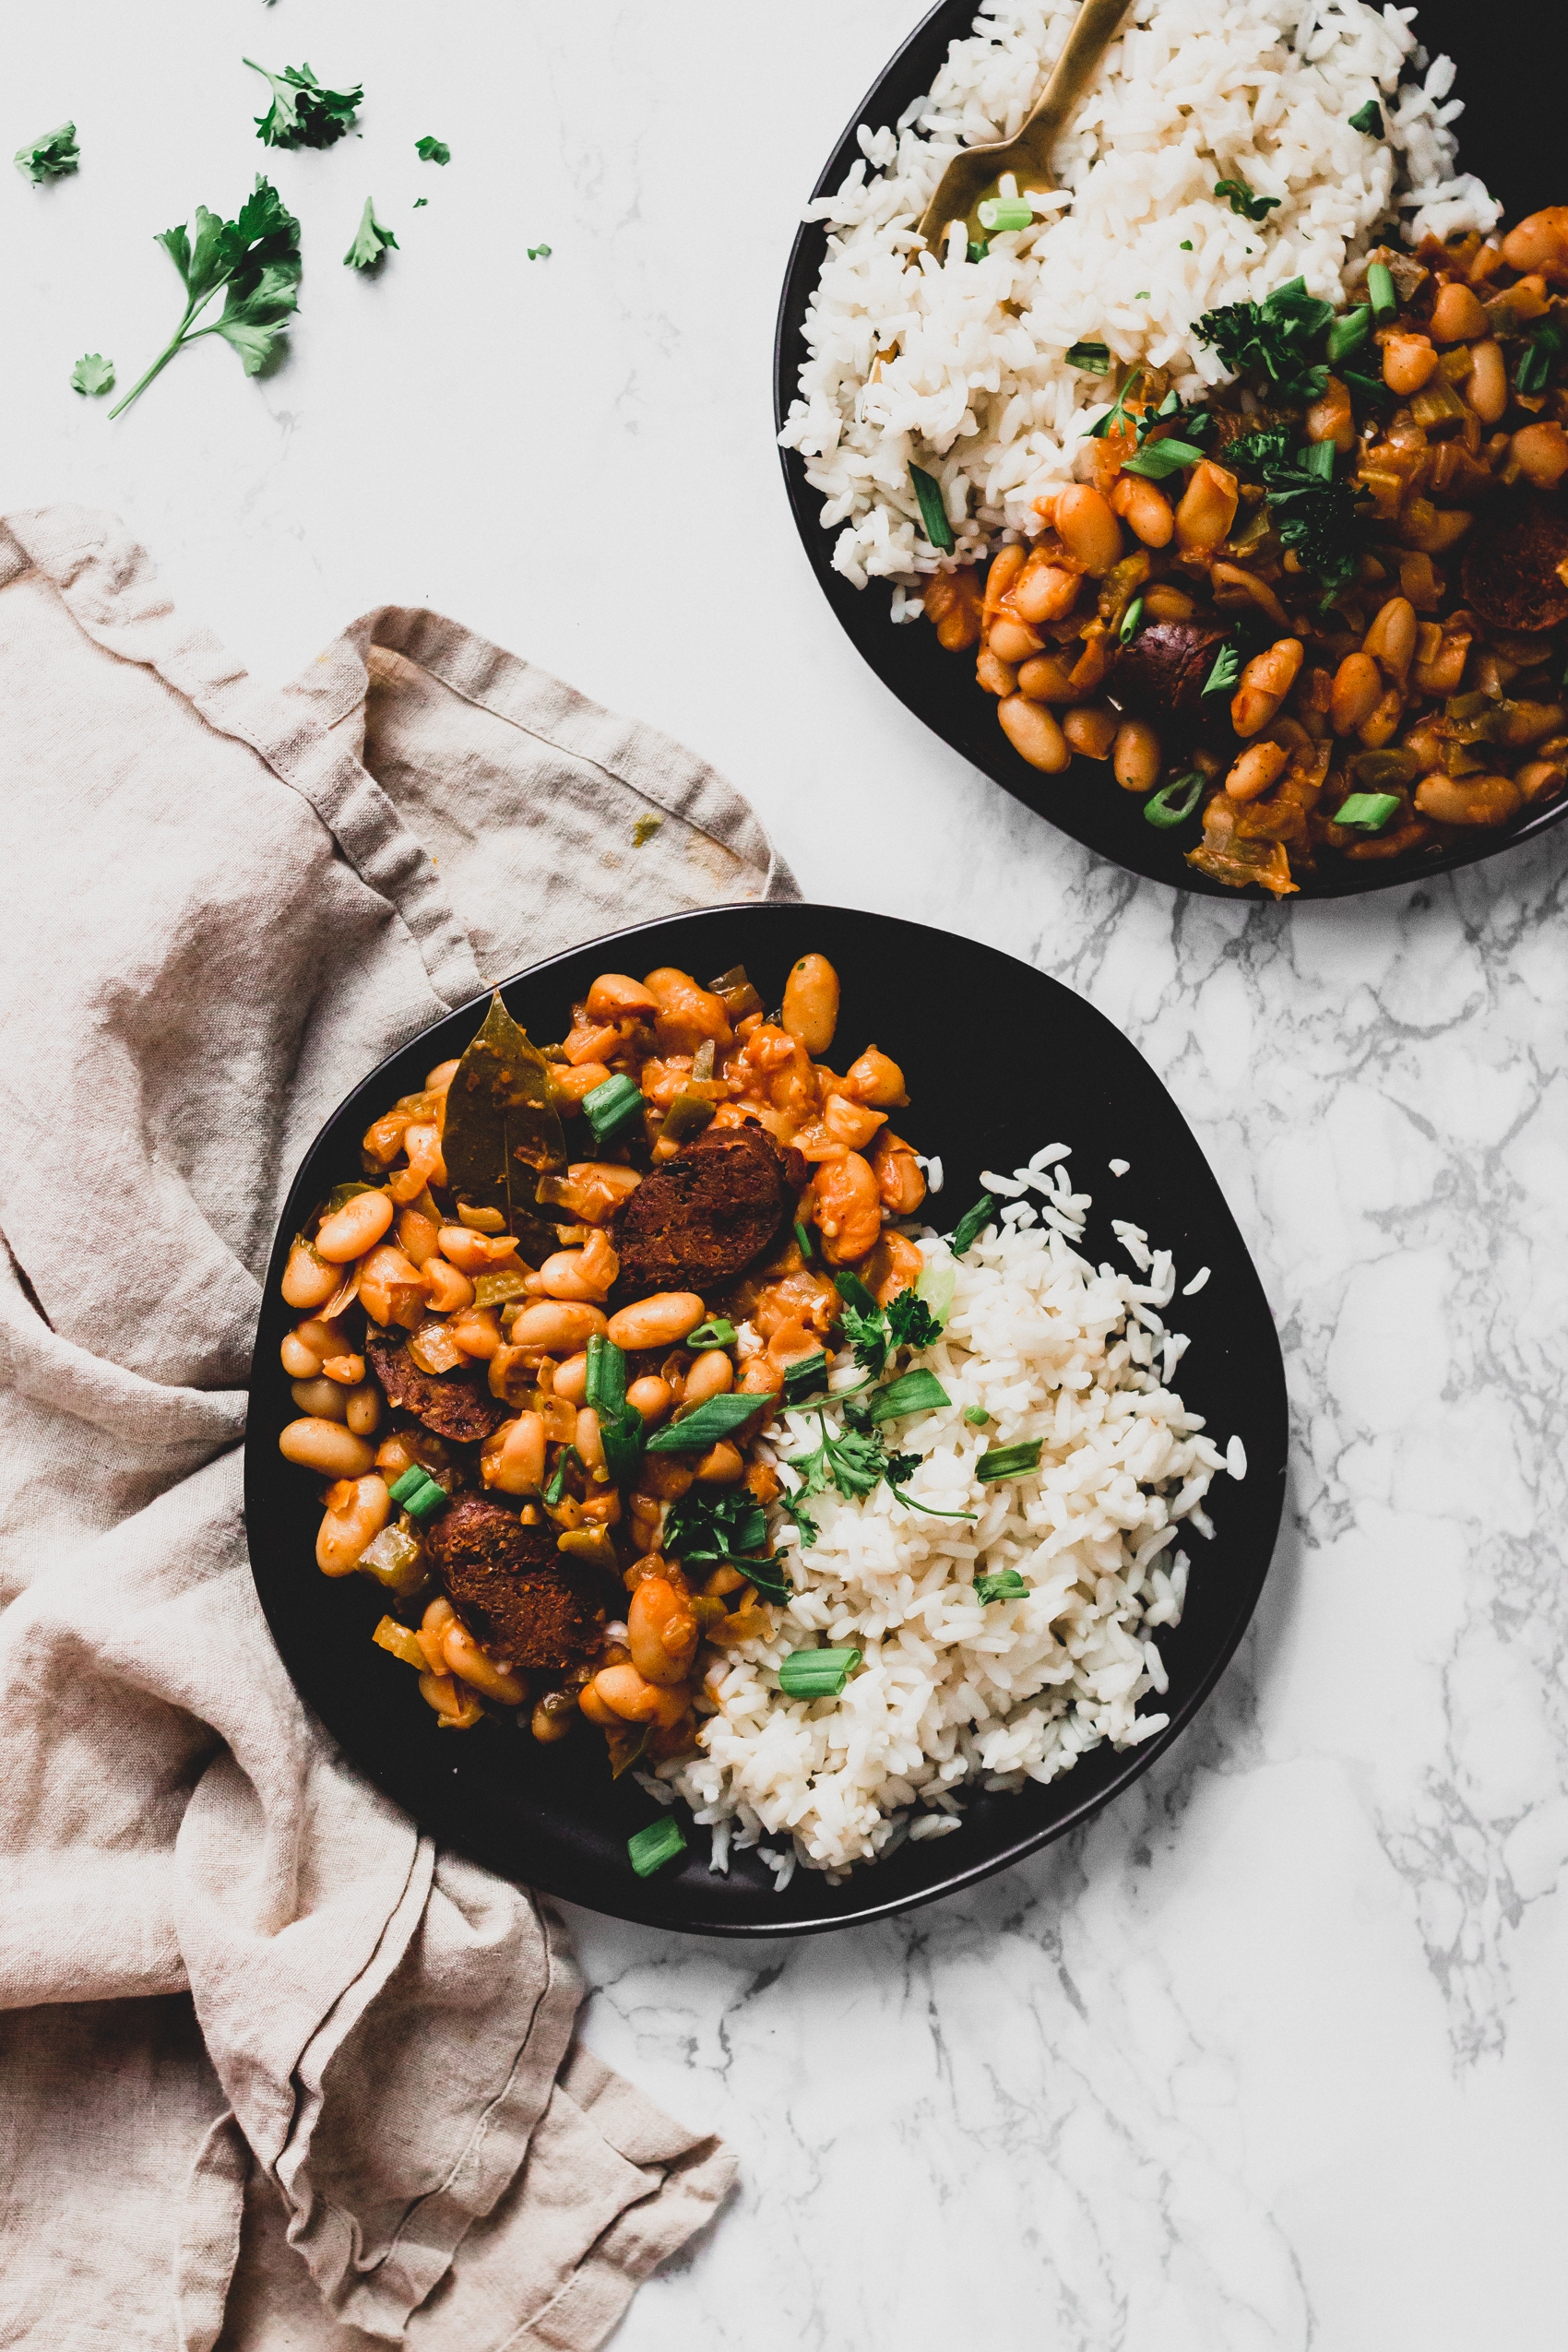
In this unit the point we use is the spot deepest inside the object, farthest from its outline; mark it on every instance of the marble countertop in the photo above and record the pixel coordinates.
(1271, 2056)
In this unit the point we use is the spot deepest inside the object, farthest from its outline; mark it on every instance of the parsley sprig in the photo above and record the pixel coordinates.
(1313, 512)
(371, 241)
(302, 113)
(1275, 338)
(876, 1332)
(721, 1531)
(254, 262)
(52, 157)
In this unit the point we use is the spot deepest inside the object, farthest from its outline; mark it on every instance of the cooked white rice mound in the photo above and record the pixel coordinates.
(950, 1691)
(960, 367)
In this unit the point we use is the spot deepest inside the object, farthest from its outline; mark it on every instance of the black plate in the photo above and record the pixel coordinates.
(999, 1059)
(1511, 139)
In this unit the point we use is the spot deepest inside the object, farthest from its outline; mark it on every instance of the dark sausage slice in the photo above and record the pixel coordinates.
(455, 1405)
(1162, 673)
(1511, 562)
(512, 1587)
(699, 1220)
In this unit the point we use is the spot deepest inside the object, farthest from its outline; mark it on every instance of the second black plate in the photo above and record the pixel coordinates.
(1511, 138)
(999, 1061)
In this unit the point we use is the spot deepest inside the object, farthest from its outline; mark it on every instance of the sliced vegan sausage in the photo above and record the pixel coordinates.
(512, 1587)
(1511, 562)
(455, 1405)
(700, 1220)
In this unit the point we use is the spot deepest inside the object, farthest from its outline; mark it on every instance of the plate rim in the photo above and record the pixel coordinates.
(426, 1810)
(947, 21)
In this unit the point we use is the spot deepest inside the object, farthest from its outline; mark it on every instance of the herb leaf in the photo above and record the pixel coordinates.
(93, 374)
(49, 158)
(255, 260)
(1162, 457)
(970, 1223)
(500, 1122)
(1091, 359)
(717, 1416)
(1244, 202)
(1275, 338)
(1368, 118)
(371, 241)
(302, 113)
(1227, 669)
(934, 512)
(1313, 512)
(910, 1323)
(432, 151)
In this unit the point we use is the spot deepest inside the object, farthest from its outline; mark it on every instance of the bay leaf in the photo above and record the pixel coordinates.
(501, 1127)
(625, 1742)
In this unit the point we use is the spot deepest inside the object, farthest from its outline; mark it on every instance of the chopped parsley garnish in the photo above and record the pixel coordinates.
(254, 262)
(419, 200)
(539, 252)
(1091, 359)
(52, 157)
(302, 113)
(93, 374)
(1116, 417)
(1368, 118)
(717, 1530)
(1003, 1584)
(431, 151)
(371, 241)
(1313, 512)
(1185, 245)
(1226, 670)
(933, 514)
(1244, 202)
(1274, 338)
(854, 1462)
(873, 1331)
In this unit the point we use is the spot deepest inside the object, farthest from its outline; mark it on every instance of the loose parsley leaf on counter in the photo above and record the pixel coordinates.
(254, 262)
(93, 374)
(432, 151)
(302, 113)
(1275, 338)
(371, 241)
(49, 158)
(1244, 202)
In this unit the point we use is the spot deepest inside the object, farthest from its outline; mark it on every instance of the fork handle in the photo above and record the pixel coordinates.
(1094, 29)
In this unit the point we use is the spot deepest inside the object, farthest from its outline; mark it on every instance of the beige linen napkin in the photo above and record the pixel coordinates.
(232, 1967)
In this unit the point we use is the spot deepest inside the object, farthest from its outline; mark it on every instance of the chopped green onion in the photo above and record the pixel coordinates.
(976, 1415)
(1318, 458)
(1380, 291)
(917, 1392)
(804, 1377)
(1164, 809)
(650, 1848)
(1186, 245)
(997, 215)
(804, 1237)
(936, 1287)
(970, 1224)
(1010, 1461)
(1347, 334)
(605, 1387)
(621, 1434)
(1367, 812)
(1534, 368)
(1370, 388)
(1005, 1585)
(816, 1674)
(715, 1333)
(716, 1418)
(934, 512)
(1368, 118)
(428, 1497)
(1091, 359)
(410, 1483)
(978, 253)
(1243, 203)
(768, 1577)
(1162, 459)
(1226, 671)
(853, 1292)
(1130, 619)
(557, 1487)
(613, 1108)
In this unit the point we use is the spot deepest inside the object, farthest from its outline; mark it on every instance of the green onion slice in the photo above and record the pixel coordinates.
(410, 1483)
(1380, 291)
(1162, 459)
(1367, 118)
(650, 1848)
(717, 1416)
(853, 1292)
(613, 1107)
(1091, 359)
(605, 1387)
(804, 1377)
(1347, 334)
(917, 1392)
(1318, 458)
(970, 1224)
(977, 253)
(1010, 1461)
(1367, 812)
(976, 1415)
(802, 1235)
(717, 1333)
(557, 1487)
(1005, 1585)
(430, 1499)
(1226, 671)
(934, 512)
(768, 1577)
(1129, 620)
(997, 215)
(816, 1674)
(1174, 802)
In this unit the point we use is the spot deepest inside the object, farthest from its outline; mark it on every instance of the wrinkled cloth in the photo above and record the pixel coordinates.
(255, 2017)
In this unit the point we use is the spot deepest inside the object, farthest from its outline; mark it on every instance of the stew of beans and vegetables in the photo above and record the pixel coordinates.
(528, 1369)
(1324, 614)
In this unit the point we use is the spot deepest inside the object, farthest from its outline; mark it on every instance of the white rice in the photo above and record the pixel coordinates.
(951, 1692)
(960, 367)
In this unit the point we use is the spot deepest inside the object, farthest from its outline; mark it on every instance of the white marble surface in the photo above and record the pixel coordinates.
(1271, 2057)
